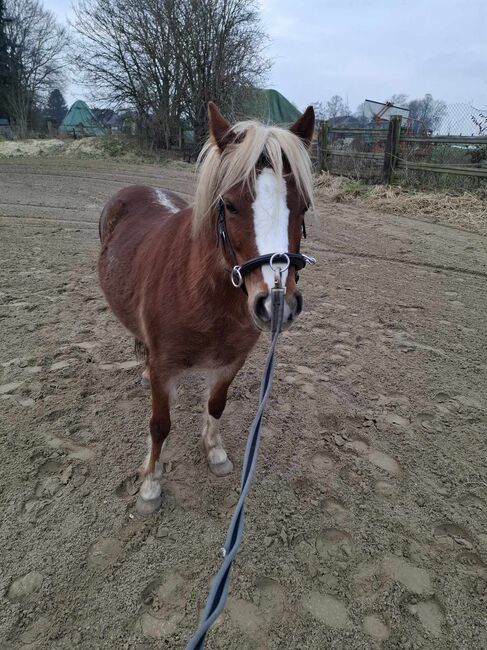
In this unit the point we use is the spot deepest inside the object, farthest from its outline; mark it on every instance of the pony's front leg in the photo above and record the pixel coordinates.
(149, 499)
(218, 461)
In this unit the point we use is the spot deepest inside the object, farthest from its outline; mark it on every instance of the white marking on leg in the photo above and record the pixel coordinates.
(271, 219)
(158, 468)
(158, 471)
(213, 443)
(150, 488)
(164, 200)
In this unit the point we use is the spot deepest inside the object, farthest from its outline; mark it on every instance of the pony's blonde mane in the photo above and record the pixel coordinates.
(249, 141)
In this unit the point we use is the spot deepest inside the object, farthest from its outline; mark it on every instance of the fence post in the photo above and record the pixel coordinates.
(392, 148)
(323, 146)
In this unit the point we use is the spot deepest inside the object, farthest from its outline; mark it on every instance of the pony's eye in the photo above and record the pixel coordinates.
(231, 208)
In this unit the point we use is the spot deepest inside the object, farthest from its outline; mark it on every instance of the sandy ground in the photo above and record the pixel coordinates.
(367, 523)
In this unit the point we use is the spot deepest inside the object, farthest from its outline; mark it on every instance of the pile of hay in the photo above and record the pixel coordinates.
(467, 210)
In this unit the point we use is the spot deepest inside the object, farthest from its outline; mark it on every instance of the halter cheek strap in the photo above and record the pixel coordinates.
(239, 271)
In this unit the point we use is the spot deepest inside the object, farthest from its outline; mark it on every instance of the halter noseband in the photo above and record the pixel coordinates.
(239, 271)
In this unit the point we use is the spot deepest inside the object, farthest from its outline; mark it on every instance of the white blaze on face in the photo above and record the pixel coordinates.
(271, 219)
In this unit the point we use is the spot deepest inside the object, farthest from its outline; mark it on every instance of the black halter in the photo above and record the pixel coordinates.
(239, 271)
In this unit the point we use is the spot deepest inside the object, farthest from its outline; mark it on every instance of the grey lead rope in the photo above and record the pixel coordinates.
(219, 589)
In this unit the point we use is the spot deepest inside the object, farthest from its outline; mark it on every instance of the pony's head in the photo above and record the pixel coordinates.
(256, 180)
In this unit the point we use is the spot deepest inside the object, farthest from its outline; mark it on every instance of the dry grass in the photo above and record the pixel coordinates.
(48, 147)
(91, 147)
(467, 210)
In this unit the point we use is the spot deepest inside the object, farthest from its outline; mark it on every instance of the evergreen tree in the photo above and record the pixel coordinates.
(56, 107)
(5, 72)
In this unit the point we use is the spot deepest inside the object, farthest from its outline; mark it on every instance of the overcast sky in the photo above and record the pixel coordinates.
(371, 49)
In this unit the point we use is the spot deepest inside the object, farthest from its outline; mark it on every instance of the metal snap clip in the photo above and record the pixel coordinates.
(236, 277)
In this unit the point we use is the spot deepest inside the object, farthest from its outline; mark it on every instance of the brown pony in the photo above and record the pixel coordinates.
(164, 268)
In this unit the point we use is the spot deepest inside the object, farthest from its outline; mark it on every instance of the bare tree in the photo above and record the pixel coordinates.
(399, 99)
(320, 110)
(336, 107)
(37, 45)
(167, 58)
(426, 113)
(480, 121)
(219, 44)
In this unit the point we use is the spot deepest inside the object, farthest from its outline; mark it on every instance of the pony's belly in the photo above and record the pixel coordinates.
(114, 281)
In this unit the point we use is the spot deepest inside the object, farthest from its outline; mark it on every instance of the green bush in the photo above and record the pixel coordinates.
(115, 147)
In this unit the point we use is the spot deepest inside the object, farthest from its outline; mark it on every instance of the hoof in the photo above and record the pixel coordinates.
(221, 469)
(145, 382)
(147, 507)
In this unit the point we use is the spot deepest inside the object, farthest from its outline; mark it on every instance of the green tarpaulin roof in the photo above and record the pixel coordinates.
(80, 119)
(270, 107)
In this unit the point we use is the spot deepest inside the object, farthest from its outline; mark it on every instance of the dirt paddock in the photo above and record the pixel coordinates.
(367, 522)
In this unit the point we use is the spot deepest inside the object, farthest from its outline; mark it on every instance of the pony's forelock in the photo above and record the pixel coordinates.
(219, 171)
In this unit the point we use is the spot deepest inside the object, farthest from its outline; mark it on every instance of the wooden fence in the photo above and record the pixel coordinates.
(391, 154)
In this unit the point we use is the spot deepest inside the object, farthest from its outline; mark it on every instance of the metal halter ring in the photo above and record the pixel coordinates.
(236, 277)
(309, 259)
(278, 269)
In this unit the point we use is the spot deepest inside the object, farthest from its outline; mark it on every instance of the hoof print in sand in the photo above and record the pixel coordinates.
(35, 632)
(412, 578)
(104, 553)
(256, 619)
(23, 587)
(453, 536)
(335, 509)
(323, 463)
(128, 487)
(158, 627)
(375, 628)
(374, 456)
(164, 596)
(430, 614)
(326, 609)
(334, 544)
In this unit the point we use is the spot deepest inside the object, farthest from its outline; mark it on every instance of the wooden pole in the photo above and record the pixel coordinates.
(392, 149)
(323, 145)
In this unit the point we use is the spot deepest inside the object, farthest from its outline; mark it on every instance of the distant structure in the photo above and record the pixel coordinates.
(80, 121)
(271, 107)
(380, 113)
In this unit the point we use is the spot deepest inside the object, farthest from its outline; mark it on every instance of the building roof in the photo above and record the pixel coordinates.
(81, 120)
(271, 107)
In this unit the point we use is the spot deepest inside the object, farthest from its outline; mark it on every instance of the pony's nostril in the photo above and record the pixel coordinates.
(260, 307)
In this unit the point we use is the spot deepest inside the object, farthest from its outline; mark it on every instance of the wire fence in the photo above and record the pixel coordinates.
(462, 119)
(451, 156)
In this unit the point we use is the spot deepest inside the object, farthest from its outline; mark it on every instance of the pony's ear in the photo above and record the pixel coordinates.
(304, 126)
(219, 126)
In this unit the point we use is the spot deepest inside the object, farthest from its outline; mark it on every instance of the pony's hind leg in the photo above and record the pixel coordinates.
(141, 351)
(218, 460)
(149, 499)
(145, 379)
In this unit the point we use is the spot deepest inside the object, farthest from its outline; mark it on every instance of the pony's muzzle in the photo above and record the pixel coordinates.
(262, 309)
